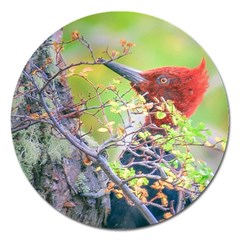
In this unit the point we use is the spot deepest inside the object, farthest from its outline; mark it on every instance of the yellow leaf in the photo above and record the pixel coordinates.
(143, 199)
(167, 215)
(110, 185)
(113, 103)
(119, 195)
(131, 106)
(100, 85)
(123, 108)
(155, 185)
(130, 44)
(114, 53)
(87, 161)
(34, 71)
(142, 99)
(141, 135)
(148, 106)
(44, 115)
(139, 182)
(120, 131)
(69, 204)
(170, 179)
(117, 81)
(72, 69)
(48, 60)
(164, 202)
(69, 75)
(34, 116)
(168, 185)
(98, 169)
(223, 146)
(111, 87)
(123, 42)
(57, 46)
(87, 69)
(208, 144)
(110, 124)
(75, 35)
(113, 110)
(201, 188)
(102, 130)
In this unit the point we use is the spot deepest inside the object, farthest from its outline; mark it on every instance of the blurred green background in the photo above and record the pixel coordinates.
(158, 43)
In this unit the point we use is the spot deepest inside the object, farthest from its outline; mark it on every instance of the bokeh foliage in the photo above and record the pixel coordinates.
(158, 43)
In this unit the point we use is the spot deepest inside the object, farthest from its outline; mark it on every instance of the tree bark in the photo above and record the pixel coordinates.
(55, 168)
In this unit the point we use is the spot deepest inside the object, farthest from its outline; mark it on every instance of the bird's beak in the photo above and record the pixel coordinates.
(130, 74)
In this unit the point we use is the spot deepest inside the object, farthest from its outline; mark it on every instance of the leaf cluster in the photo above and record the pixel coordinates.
(183, 171)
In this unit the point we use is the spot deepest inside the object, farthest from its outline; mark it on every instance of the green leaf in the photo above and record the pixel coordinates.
(160, 115)
(102, 130)
(175, 164)
(201, 126)
(145, 181)
(141, 135)
(113, 103)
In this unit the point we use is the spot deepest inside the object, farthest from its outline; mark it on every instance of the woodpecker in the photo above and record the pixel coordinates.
(186, 88)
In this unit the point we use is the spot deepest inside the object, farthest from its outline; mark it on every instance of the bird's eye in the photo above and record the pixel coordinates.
(162, 80)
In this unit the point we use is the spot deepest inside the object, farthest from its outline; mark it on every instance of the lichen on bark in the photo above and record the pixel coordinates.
(52, 164)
